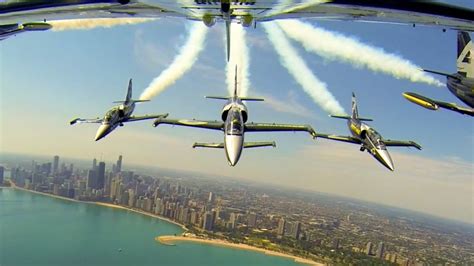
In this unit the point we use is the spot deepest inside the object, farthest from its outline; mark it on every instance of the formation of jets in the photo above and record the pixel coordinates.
(17, 16)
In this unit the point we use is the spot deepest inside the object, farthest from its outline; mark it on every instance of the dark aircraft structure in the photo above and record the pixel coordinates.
(461, 83)
(117, 115)
(9, 30)
(368, 137)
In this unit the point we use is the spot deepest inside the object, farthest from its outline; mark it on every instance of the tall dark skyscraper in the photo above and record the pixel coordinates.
(101, 175)
(119, 164)
(55, 164)
(2, 170)
(94, 164)
(92, 179)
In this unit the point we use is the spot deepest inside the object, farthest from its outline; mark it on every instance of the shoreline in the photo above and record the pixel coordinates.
(168, 241)
(104, 204)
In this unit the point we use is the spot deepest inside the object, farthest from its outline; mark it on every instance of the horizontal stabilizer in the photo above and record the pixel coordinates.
(208, 145)
(217, 97)
(259, 144)
(251, 99)
(135, 101)
(241, 98)
(348, 117)
(441, 73)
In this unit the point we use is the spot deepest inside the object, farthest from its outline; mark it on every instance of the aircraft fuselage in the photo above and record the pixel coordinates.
(371, 141)
(234, 130)
(114, 118)
(463, 88)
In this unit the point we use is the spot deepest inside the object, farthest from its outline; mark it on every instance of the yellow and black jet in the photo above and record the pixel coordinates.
(367, 137)
(461, 84)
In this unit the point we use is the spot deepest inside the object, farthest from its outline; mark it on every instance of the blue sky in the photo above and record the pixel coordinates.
(49, 78)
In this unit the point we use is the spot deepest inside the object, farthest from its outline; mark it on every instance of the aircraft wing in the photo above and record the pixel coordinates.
(80, 120)
(144, 117)
(208, 145)
(389, 142)
(339, 138)
(456, 108)
(411, 12)
(259, 144)
(216, 125)
(431, 104)
(259, 127)
(423, 12)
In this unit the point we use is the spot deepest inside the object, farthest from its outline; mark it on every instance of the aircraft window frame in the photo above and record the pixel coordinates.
(235, 124)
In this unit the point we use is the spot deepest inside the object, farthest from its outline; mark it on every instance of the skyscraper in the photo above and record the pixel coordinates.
(281, 226)
(55, 164)
(118, 168)
(92, 179)
(211, 197)
(2, 170)
(368, 248)
(101, 175)
(94, 164)
(232, 220)
(208, 221)
(380, 250)
(252, 219)
(296, 230)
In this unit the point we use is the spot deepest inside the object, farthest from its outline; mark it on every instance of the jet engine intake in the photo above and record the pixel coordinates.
(246, 20)
(209, 20)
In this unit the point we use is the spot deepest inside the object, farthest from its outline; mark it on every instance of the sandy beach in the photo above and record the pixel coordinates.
(169, 240)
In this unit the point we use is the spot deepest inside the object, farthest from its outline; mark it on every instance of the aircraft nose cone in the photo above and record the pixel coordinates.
(385, 159)
(233, 148)
(102, 131)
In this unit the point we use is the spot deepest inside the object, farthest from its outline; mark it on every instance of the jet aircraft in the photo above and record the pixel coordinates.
(117, 115)
(14, 29)
(234, 124)
(367, 137)
(461, 84)
(246, 12)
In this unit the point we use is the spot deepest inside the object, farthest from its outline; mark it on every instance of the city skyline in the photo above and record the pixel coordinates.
(94, 69)
(328, 228)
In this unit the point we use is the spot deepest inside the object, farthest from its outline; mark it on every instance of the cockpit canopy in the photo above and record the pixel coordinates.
(234, 122)
(110, 114)
(375, 138)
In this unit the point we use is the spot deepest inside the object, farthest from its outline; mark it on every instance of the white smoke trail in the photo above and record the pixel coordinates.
(186, 58)
(87, 24)
(295, 65)
(336, 46)
(239, 56)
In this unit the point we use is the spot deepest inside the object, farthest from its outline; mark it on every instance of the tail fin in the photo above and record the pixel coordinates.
(128, 98)
(129, 92)
(355, 112)
(235, 82)
(227, 29)
(465, 54)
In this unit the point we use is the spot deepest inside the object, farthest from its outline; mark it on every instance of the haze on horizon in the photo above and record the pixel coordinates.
(43, 89)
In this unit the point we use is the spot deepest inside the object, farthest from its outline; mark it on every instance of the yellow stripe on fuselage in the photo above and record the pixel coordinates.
(355, 129)
(419, 102)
